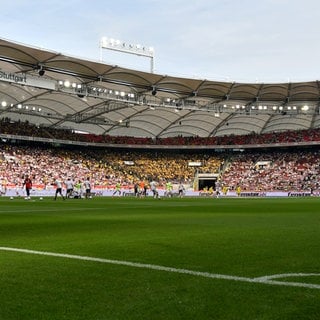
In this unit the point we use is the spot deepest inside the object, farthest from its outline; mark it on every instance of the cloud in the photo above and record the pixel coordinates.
(204, 38)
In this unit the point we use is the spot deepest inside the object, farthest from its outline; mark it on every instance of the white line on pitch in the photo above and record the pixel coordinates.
(261, 280)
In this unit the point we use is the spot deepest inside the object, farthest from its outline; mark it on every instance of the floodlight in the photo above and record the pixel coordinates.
(41, 72)
(67, 83)
(193, 93)
(136, 49)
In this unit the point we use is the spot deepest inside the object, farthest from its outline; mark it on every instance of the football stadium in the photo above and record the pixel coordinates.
(128, 194)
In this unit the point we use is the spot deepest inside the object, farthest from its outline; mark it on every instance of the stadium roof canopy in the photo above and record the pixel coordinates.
(51, 89)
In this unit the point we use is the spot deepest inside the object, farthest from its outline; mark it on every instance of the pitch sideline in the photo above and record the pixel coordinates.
(261, 280)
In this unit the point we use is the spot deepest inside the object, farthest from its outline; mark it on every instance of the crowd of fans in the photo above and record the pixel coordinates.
(28, 129)
(105, 167)
(286, 170)
(296, 170)
(272, 170)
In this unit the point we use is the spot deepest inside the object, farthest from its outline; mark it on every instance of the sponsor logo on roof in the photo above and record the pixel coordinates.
(13, 77)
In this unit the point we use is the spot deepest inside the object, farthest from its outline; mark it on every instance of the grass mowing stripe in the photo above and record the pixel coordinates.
(248, 238)
(48, 210)
(262, 280)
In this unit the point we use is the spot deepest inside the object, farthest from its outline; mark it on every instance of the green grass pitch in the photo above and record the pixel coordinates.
(245, 238)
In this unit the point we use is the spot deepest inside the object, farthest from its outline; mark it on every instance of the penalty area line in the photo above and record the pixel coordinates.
(260, 280)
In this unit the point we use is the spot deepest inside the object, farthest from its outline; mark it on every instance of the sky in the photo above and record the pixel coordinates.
(263, 41)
